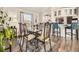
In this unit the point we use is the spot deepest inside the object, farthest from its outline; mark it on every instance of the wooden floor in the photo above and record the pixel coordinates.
(58, 45)
(67, 45)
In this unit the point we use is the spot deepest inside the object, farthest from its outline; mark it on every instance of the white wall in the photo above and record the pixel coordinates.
(43, 17)
(63, 13)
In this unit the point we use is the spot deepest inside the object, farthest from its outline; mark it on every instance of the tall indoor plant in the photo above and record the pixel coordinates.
(3, 17)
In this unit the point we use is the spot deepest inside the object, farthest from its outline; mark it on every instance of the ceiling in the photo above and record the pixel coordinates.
(34, 9)
(38, 9)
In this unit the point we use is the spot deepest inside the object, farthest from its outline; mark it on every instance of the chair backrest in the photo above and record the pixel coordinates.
(74, 25)
(55, 26)
(47, 29)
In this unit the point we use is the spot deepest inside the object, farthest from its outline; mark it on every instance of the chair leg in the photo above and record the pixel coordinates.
(37, 43)
(57, 33)
(53, 34)
(44, 44)
(44, 41)
(71, 34)
(44, 47)
(22, 41)
(10, 46)
(77, 34)
(71, 38)
(26, 43)
(65, 34)
(50, 44)
(60, 33)
(50, 39)
(65, 38)
(20, 45)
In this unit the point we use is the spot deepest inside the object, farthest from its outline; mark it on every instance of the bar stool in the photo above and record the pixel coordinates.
(72, 27)
(56, 27)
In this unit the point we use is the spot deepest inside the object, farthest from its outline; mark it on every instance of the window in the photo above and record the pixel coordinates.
(55, 13)
(28, 20)
(70, 11)
(59, 12)
(28, 17)
(75, 11)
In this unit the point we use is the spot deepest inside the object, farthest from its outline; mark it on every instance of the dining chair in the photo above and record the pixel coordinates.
(45, 37)
(32, 40)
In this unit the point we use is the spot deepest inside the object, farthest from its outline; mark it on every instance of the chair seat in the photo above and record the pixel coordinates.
(68, 27)
(30, 37)
(56, 27)
(72, 26)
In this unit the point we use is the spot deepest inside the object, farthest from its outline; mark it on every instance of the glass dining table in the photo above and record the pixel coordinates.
(33, 37)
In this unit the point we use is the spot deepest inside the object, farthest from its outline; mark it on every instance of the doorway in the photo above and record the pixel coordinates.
(69, 19)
